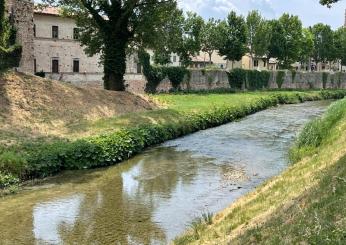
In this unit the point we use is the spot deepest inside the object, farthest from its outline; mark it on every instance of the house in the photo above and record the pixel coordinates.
(50, 45)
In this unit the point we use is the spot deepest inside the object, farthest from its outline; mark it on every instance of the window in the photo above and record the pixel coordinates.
(264, 63)
(34, 30)
(75, 33)
(174, 58)
(35, 66)
(255, 63)
(55, 32)
(139, 68)
(76, 65)
(55, 65)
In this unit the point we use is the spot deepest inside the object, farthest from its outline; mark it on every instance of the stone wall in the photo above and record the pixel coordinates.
(212, 80)
(22, 16)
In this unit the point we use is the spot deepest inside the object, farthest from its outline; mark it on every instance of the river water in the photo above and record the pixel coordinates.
(153, 197)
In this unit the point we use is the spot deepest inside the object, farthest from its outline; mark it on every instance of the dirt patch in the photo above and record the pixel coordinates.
(43, 106)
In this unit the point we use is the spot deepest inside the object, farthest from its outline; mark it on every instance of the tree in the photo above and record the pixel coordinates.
(307, 47)
(323, 43)
(258, 34)
(211, 37)
(285, 41)
(233, 45)
(10, 51)
(340, 45)
(188, 43)
(328, 2)
(111, 27)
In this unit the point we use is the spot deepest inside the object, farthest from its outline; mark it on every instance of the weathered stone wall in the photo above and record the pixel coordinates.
(211, 80)
(22, 16)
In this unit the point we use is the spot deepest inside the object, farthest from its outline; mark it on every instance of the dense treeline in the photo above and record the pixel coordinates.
(284, 39)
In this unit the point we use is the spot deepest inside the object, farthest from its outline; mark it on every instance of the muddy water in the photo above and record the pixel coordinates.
(152, 198)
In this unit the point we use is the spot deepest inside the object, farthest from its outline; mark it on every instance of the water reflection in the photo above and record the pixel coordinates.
(152, 197)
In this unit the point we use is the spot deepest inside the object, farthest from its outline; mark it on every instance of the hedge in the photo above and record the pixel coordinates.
(109, 149)
(248, 79)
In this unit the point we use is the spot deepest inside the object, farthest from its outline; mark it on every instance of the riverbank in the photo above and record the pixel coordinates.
(304, 205)
(83, 144)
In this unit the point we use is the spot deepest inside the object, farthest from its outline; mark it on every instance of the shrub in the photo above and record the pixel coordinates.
(280, 76)
(12, 163)
(7, 180)
(257, 79)
(237, 78)
(155, 74)
(294, 74)
(10, 57)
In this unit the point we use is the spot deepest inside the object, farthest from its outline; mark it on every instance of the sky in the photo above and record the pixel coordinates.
(309, 11)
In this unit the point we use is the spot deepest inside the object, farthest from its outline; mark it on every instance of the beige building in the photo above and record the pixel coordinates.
(247, 62)
(50, 45)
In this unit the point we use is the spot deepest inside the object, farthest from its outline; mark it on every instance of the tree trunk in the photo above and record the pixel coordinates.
(210, 54)
(114, 65)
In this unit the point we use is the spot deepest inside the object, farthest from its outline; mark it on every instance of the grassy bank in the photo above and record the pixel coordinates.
(304, 205)
(97, 143)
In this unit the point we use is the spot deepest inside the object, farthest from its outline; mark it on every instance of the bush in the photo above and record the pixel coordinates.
(237, 78)
(257, 79)
(250, 79)
(12, 163)
(7, 180)
(280, 76)
(325, 79)
(155, 74)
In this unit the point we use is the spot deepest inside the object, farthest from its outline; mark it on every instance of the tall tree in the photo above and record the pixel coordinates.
(233, 45)
(211, 37)
(307, 48)
(340, 45)
(258, 35)
(286, 36)
(324, 50)
(110, 27)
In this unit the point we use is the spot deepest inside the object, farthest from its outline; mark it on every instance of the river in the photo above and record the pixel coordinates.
(152, 198)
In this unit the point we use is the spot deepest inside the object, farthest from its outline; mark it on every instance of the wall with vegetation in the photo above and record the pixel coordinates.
(254, 80)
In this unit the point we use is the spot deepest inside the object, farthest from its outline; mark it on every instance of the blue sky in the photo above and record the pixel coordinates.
(309, 11)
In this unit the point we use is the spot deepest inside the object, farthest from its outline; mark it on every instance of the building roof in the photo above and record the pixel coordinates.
(47, 11)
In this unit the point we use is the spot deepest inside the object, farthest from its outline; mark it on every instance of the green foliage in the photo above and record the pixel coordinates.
(175, 75)
(155, 74)
(12, 163)
(317, 131)
(250, 79)
(7, 180)
(286, 36)
(323, 37)
(257, 79)
(208, 218)
(233, 45)
(325, 79)
(258, 34)
(236, 78)
(280, 78)
(10, 52)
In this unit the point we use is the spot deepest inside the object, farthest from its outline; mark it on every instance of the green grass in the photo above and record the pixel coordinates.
(109, 141)
(304, 205)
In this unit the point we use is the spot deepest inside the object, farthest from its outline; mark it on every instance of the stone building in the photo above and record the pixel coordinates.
(50, 44)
